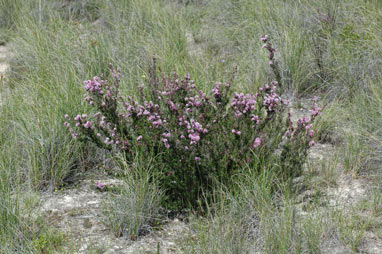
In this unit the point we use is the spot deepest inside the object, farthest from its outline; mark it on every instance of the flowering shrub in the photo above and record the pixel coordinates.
(197, 139)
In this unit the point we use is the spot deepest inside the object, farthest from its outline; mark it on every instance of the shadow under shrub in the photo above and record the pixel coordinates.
(196, 139)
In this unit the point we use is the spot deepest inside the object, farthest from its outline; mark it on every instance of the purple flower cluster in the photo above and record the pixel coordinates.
(220, 91)
(195, 130)
(148, 110)
(186, 107)
(172, 86)
(316, 111)
(195, 101)
(100, 186)
(96, 127)
(304, 126)
(244, 105)
(100, 127)
(216, 90)
(102, 92)
(272, 100)
(96, 85)
(268, 45)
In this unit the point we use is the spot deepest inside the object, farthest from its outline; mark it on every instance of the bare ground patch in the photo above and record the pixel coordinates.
(78, 213)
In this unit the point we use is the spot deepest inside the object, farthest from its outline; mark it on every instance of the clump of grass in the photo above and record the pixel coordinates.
(376, 202)
(351, 230)
(355, 155)
(22, 233)
(49, 241)
(133, 207)
(254, 219)
(10, 12)
(231, 224)
(80, 10)
(225, 229)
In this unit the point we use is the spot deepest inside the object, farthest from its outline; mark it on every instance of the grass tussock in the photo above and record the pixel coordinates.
(132, 208)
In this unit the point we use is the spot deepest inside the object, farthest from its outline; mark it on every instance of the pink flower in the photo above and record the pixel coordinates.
(157, 123)
(166, 144)
(257, 142)
(139, 138)
(100, 186)
(167, 135)
(264, 38)
(255, 118)
(88, 125)
(172, 105)
(194, 137)
(236, 132)
(311, 133)
(312, 143)
(197, 158)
